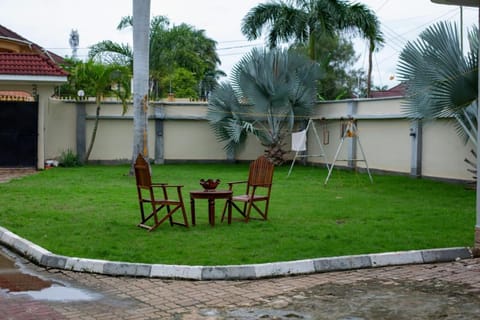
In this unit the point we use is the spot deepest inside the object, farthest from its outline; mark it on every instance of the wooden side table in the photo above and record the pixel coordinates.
(211, 195)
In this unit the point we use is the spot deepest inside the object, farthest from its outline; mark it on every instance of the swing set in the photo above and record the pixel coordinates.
(349, 131)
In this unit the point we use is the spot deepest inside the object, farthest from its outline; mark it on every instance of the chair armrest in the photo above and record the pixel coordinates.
(237, 182)
(173, 186)
(230, 184)
(166, 185)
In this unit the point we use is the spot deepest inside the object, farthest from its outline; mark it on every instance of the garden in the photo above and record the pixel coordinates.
(92, 212)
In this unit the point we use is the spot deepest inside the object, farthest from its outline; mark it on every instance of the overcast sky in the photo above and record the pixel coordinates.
(49, 23)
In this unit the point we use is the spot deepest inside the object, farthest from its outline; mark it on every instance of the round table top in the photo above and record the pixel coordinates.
(211, 193)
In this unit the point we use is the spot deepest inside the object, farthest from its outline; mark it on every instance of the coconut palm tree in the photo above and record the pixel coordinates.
(303, 21)
(441, 80)
(109, 51)
(179, 46)
(268, 91)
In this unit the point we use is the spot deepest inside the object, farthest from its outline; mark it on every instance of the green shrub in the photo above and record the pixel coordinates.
(69, 159)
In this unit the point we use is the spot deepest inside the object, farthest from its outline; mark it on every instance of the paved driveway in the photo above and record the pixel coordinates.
(428, 291)
(7, 174)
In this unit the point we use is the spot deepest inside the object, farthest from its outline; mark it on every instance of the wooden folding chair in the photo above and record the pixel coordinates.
(159, 200)
(258, 189)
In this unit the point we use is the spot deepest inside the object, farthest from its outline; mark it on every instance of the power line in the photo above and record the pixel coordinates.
(237, 47)
(397, 42)
(382, 5)
(231, 41)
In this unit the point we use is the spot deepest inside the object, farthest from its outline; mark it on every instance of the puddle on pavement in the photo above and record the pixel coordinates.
(14, 281)
(60, 293)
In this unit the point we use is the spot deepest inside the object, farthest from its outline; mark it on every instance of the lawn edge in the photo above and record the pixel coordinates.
(45, 258)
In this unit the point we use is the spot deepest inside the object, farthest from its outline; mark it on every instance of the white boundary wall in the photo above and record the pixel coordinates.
(178, 131)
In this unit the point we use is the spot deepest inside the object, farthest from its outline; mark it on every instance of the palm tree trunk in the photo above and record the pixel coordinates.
(311, 47)
(94, 132)
(369, 75)
(141, 27)
(275, 153)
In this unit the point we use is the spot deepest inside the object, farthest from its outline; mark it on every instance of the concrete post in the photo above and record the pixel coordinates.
(81, 130)
(416, 133)
(159, 157)
(352, 108)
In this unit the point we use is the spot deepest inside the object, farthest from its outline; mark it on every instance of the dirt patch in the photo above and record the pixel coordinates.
(7, 174)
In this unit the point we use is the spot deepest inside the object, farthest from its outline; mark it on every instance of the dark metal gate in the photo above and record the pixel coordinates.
(18, 133)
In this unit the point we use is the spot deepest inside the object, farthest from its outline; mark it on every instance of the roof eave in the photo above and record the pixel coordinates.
(24, 42)
(467, 3)
(33, 78)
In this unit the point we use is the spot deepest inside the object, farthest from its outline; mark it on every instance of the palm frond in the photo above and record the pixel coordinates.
(440, 80)
(278, 17)
(224, 114)
(125, 22)
(466, 123)
(268, 91)
(111, 52)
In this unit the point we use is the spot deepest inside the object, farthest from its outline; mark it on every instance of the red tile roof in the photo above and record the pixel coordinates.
(7, 33)
(35, 61)
(29, 64)
(397, 91)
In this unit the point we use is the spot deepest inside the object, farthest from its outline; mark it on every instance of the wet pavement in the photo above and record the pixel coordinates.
(426, 291)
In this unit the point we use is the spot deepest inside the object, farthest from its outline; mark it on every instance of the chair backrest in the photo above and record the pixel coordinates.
(142, 172)
(261, 172)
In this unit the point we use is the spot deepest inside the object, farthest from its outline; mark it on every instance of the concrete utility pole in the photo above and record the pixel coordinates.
(141, 28)
(472, 3)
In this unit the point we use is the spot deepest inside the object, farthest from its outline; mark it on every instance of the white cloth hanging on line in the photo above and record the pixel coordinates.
(299, 140)
(299, 144)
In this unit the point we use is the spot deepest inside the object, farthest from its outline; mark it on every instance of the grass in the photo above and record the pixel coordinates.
(92, 212)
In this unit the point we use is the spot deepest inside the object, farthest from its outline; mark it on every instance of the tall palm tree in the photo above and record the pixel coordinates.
(100, 80)
(304, 21)
(141, 21)
(108, 50)
(268, 91)
(442, 81)
(179, 46)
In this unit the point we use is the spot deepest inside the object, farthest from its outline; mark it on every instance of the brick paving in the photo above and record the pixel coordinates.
(150, 298)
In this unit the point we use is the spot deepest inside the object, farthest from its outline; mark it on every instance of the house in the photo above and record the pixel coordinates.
(28, 76)
(396, 91)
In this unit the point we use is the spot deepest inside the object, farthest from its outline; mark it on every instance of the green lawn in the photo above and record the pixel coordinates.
(92, 212)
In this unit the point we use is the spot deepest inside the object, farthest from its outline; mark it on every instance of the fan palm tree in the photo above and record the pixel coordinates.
(268, 91)
(303, 21)
(441, 80)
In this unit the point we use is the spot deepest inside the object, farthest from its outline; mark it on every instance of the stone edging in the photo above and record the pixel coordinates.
(47, 259)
